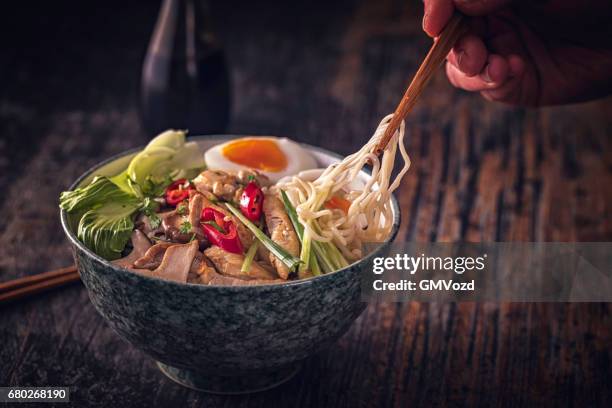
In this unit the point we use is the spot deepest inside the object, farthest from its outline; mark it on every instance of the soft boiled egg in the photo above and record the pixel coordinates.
(273, 156)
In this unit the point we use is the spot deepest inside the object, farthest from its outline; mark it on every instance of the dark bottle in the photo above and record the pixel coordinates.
(185, 82)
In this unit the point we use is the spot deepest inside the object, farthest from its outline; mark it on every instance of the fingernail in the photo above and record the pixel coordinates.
(485, 75)
(459, 53)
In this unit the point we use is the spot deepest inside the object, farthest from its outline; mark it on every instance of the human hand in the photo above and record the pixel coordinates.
(529, 52)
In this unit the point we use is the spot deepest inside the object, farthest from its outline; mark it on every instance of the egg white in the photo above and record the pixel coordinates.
(298, 158)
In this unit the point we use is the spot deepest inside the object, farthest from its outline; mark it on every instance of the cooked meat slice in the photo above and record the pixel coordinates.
(263, 255)
(176, 263)
(196, 204)
(246, 236)
(226, 185)
(209, 276)
(244, 176)
(140, 244)
(153, 257)
(199, 266)
(212, 278)
(281, 231)
(229, 264)
(220, 183)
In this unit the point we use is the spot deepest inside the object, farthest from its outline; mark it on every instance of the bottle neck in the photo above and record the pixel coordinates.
(184, 30)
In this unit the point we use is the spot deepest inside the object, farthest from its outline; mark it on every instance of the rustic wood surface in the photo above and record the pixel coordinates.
(325, 74)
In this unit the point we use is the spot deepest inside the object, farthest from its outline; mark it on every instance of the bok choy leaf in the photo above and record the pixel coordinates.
(105, 215)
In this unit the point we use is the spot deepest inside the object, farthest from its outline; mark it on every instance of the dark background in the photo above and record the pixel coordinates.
(323, 73)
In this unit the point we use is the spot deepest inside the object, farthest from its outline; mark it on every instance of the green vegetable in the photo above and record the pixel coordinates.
(331, 251)
(107, 206)
(182, 209)
(291, 261)
(305, 252)
(329, 256)
(248, 258)
(314, 266)
(107, 229)
(313, 261)
(101, 189)
(167, 157)
(149, 208)
(105, 215)
(185, 227)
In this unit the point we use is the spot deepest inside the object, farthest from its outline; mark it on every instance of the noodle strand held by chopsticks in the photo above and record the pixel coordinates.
(369, 217)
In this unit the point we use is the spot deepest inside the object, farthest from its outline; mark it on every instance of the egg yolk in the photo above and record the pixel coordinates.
(259, 154)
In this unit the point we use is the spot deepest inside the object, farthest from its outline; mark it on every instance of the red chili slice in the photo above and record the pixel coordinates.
(226, 239)
(251, 201)
(177, 192)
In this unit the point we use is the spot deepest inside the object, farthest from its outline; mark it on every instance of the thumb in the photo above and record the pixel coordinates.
(479, 7)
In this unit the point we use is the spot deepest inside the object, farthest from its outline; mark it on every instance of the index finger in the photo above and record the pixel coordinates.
(437, 13)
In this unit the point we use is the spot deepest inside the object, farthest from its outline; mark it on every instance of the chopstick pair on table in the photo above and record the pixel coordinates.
(23, 287)
(30, 285)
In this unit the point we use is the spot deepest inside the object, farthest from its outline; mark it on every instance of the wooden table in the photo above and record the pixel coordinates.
(324, 74)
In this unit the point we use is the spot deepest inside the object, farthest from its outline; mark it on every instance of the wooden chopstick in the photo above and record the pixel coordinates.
(30, 285)
(435, 57)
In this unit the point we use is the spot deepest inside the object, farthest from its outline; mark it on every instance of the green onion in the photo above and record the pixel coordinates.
(299, 228)
(185, 227)
(248, 258)
(334, 254)
(305, 252)
(291, 261)
(314, 266)
(314, 245)
(326, 264)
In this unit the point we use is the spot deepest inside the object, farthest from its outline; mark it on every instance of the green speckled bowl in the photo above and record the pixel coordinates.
(223, 339)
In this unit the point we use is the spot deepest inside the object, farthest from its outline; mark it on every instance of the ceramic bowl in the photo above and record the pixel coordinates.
(223, 339)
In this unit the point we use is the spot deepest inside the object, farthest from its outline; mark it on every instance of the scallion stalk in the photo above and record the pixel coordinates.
(314, 266)
(299, 228)
(291, 261)
(331, 250)
(305, 252)
(248, 257)
(315, 246)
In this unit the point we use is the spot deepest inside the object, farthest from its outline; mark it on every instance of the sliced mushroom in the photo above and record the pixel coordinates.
(173, 228)
(140, 244)
(153, 257)
(230, 264)
(281, 231)
(175, 264)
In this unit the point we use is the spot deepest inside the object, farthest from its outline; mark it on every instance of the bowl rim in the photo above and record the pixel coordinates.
(77, 243)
